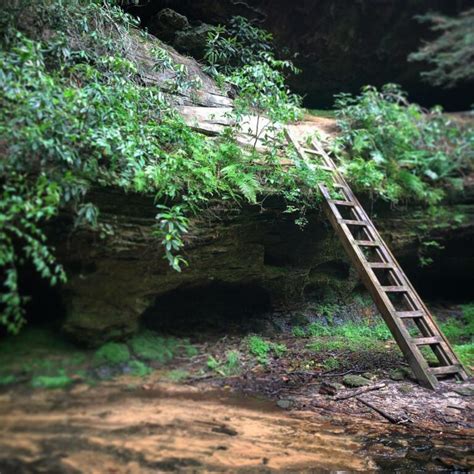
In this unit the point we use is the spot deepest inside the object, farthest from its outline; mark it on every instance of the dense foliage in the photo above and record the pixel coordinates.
(393, 149)
(451, 54)
(241, 56)
(75, 112)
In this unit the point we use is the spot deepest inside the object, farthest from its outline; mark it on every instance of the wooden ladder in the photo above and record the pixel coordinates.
(401, 307)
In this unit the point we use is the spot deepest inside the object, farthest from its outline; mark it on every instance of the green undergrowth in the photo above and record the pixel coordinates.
(43, 359)
(374, 336)
(351, 336)
(460, 332)
(465, 352)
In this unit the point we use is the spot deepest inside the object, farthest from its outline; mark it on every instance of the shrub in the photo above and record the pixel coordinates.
(392, 149)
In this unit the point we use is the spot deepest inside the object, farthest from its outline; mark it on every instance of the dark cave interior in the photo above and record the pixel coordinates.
(339, 46)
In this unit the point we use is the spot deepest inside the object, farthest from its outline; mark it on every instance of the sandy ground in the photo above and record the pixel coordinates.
(115, 429)
(118, 427)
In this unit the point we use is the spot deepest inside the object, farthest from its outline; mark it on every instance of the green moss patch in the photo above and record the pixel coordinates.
(112, 353)
(51, 382)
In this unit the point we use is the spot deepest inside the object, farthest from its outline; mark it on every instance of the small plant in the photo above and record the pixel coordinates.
(279, 349)
(468, 316)
(112, 353)
(327, 310)
(229, 367)
(259, 348)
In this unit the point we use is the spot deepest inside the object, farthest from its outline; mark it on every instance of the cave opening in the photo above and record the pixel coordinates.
(216, 308)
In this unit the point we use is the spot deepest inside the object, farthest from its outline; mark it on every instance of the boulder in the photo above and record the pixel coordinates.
(166, 23)
(355, 381)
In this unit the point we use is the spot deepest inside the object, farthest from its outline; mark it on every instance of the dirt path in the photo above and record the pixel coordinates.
(113, 429)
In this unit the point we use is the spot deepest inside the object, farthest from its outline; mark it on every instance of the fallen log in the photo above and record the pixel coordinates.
(383, 413)
(369, 388)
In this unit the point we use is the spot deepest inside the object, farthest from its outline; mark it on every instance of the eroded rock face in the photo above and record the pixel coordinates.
(113, 280)
(261, 259)
(339, 46)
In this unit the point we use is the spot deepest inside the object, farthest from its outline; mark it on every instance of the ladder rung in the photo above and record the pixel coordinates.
(395, 289)
(342, 203)
(426, 341)
(367, 243)
(311, 150)
(381, 265)
(445, 370)
(352, 222)
(410, 314)
(325, 168)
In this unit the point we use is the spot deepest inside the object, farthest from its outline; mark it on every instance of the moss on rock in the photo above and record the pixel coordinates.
(112, 353)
